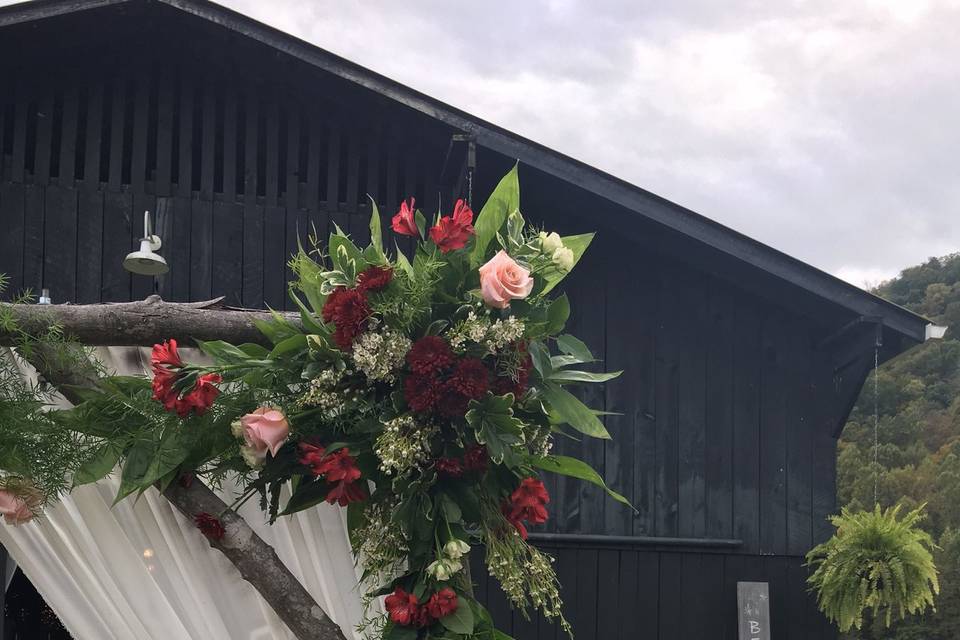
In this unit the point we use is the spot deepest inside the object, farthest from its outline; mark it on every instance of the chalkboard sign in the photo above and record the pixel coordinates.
(753, 608)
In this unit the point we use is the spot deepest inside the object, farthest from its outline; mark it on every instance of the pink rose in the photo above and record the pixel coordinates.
(503, 280)
(265, 429)
(15, 509)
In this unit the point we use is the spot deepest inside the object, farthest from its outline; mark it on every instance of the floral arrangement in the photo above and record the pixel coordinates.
(422, 394)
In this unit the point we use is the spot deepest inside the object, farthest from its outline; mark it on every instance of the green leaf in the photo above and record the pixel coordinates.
(396, 632)
(573, 412)
(495, 426)
(578, 245)
(500, 635)
(99, 465)
(451, 510)
(541, 358)
(582, 376)
(343, 252)
(461, 620)
(504, 200)
(223, 352)
(307, 495)
(151, 459)
(404, 264)
(291, 344)
(376, 235)
(567, 466)
(575, 348)
(557, 314)
(421, 222)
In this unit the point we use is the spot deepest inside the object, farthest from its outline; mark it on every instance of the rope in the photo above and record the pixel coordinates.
(876, 424)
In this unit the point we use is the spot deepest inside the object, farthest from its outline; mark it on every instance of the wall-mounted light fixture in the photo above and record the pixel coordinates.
(146, 262)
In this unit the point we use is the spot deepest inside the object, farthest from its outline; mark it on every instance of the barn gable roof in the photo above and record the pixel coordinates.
(908, 326)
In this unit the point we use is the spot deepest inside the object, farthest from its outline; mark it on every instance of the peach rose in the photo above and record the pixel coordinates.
(15, 509)
(266, 429)
(503, 280)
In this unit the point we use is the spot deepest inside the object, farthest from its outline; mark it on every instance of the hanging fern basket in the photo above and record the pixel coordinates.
(875, 561)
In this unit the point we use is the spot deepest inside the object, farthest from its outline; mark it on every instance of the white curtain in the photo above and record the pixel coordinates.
(140, 570)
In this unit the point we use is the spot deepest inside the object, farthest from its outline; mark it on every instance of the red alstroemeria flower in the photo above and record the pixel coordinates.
(374, 278)
(201, 397)
(429, 354)
(312, 456)
(403, 607)
(453, 232)
(343, 493)
(527, 502)
(442, 603)
(339, 466)
(166, 355)
(210, 526)
(405, 222)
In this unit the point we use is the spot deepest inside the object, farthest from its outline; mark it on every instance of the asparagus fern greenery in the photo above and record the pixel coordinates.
(875, 561)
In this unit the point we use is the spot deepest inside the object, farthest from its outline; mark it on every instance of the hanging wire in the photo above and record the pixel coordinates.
(876, 423)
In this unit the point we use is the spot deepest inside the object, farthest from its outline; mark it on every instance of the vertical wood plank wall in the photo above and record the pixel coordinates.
(716, 424)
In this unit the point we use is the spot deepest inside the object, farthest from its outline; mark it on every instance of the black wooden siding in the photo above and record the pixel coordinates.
(721, 423)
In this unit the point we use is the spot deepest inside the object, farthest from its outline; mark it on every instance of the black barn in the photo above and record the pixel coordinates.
(741, 363)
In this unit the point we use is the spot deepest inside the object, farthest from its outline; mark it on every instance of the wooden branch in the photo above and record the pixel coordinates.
(142, 323)
(256, 561)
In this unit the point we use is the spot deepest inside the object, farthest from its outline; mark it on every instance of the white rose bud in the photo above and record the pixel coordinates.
(251, 457)
(563, 258)
(455, 549)
(550, 242)
(236, 428)
(444, 569)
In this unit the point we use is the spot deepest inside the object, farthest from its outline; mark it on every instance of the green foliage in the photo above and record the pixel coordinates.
(919, 459)
(874, 561)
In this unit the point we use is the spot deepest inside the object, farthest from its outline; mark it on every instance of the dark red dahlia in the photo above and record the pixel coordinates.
(452, 404)
(470, 378)
(421, 392)
(450, 467)
(374, 278)
(402, 607)
(476, 459)
(442, 603)
(210, 526)
(429, 354)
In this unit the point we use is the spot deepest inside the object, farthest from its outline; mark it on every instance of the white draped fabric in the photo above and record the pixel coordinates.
(141, 571)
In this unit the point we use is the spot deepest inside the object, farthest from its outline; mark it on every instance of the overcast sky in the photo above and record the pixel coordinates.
(829, 130)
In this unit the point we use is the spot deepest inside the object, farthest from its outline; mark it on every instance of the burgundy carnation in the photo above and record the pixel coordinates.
(470, 378)
(348, 310)
(450, 467)
(374, 278)
(421, 392)
(429, 354)
(210, 526)
(452, 404)
(476, 458)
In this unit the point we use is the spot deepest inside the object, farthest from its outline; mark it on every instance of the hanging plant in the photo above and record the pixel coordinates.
(874, 561)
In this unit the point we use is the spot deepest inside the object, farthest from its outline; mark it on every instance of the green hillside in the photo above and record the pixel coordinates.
(919, 458)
